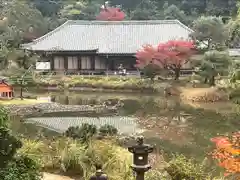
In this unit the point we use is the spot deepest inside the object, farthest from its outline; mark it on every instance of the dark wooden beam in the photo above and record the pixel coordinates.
(92, 58)
(79, 63)
(65, 62)
(52, 63)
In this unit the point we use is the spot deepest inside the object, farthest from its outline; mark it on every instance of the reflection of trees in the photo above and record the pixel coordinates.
(164, 119)
(162, 114)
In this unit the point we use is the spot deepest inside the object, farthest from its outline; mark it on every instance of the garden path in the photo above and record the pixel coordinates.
(48, 176)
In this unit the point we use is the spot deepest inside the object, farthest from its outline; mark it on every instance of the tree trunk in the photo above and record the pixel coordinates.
(205, 80)
(21, 93)
(177, 73)
(21, 90)
(212, 81)
(152, 79)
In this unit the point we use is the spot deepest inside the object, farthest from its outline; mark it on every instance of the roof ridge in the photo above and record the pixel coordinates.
(86, 22)
(47, 34)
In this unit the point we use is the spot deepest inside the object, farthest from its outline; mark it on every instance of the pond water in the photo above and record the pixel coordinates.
(168, 123)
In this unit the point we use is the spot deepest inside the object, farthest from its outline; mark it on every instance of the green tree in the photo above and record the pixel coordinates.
(81, 10)
(147, 10)
(173, 12)
(234, 71)
(48, 8)
(221, 7)
(4, 54)
(234, 32)
(22, 78)
(24, 20)
(214, 63)
(210, 32)
(20, 23)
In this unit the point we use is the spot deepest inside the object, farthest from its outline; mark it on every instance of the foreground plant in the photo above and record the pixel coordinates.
(12, 166)
(227, 153)
(181, 167)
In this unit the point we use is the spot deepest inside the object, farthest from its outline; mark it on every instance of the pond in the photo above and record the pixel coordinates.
(169, 123)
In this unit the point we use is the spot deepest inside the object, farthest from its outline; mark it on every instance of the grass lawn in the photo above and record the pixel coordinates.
(24, 101)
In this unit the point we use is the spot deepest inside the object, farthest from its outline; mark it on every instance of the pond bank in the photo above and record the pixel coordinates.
(41, 108)
(89, 89)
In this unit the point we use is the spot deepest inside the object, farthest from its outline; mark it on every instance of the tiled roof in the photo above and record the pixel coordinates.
(109, 37)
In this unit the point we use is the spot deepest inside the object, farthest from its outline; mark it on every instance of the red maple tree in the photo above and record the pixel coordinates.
(111, 14)
(171, 55)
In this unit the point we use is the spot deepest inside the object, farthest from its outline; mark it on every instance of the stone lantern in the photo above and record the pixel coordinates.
(140, 158)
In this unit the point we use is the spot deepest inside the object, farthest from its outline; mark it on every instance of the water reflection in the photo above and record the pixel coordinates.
(169, 123)
(125, 125)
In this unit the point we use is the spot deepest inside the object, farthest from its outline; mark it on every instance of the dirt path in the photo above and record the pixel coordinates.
(48, 176)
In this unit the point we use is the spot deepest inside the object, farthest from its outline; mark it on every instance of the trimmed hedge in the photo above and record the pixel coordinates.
(111, 83)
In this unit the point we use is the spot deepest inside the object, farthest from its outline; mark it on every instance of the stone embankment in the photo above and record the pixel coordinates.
(56, 107)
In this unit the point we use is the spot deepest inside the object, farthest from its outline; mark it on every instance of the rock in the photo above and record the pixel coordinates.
(55, 107)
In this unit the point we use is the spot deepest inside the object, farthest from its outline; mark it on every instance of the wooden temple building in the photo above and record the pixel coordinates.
(99, 47)
(6, 90)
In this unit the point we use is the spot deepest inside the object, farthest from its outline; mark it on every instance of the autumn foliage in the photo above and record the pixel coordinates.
(171, 55)
(227, 153)
(111, 14)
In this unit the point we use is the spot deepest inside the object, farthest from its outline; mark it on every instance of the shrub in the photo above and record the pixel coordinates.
(150, 71)
(12, 166)
(8, 146)
(157, 175)
(32, 147)
(234, 93)
(84, 133)
(99, 82)
(234, 96)
(181, 167)
(75, 158)
(8, 143)
(3, 117)
(21, 168)
(108, 130)
(236, 100)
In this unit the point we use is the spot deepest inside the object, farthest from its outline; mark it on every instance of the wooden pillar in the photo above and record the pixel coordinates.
(65, 63)
(52, 63)
(79, 63)
(112, 64)
(92, 62)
